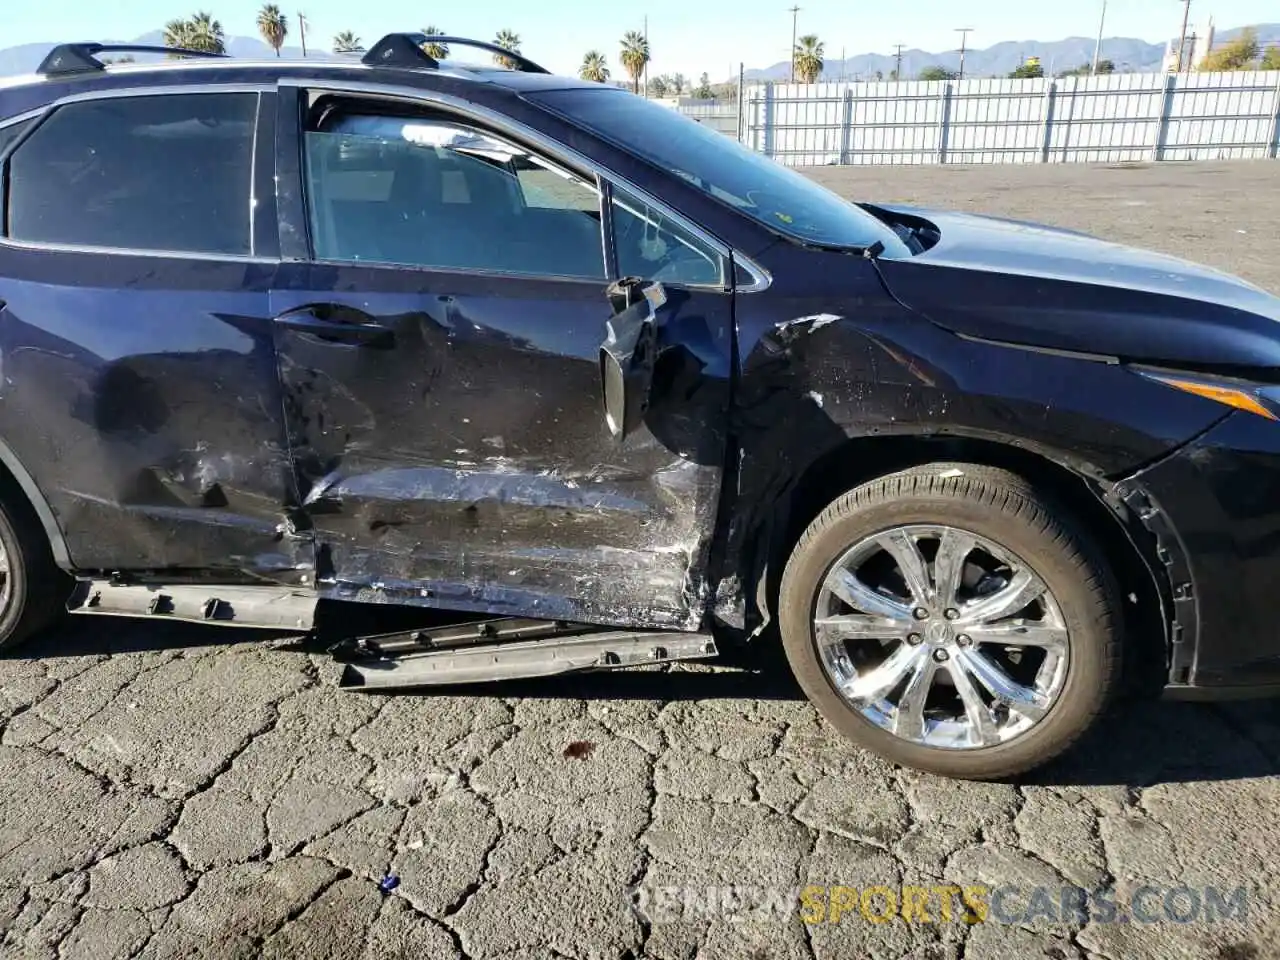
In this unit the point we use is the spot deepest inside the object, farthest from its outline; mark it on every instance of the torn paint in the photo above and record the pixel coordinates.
(470, 465)
(815, 322)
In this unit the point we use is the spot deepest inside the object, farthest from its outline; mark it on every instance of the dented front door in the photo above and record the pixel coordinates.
(451, 448)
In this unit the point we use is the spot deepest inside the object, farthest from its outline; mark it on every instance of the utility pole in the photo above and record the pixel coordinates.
(646, 55)
(1097, 48)
(794, 11)
(964, 36)
(1182, 41)
(897, 72)
(302, 31)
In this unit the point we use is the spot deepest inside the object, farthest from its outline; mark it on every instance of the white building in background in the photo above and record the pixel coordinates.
(1199, 43)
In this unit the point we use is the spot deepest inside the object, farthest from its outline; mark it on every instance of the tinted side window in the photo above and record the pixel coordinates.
(652, 247)
(159, 173)
(434, 193)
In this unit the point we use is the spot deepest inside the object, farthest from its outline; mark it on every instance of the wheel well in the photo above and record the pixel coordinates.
(20, 493)
(1124, 543)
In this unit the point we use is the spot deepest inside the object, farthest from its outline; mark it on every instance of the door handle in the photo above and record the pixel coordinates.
(350, 328)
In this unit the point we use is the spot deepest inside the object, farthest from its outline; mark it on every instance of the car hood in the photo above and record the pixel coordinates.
(1037, 285)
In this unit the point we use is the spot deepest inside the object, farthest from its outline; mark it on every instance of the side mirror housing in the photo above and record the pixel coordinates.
(628, 353)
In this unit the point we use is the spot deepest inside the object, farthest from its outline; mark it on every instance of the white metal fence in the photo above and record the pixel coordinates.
(1103, 119)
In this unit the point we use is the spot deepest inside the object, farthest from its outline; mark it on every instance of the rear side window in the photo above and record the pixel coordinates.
(155, 173)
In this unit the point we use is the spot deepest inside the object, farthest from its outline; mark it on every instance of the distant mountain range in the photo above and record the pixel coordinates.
(1129, 55)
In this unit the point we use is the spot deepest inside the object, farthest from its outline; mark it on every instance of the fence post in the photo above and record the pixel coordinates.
(1046, 121)
(1274, 143)
(767, 120)
(846, 129)
(742, 83)
(944, 121)
(1166, 109)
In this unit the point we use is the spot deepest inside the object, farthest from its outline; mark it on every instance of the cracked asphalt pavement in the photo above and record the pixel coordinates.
(172, 792)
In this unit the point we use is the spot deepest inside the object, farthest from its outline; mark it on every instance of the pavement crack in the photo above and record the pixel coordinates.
(483, 876)
(272, 722)
(301, 845)
(802, 871)
(107, 701)
(433, 921)
(296, 912)
(644, 854)
(71, 928)
(1095, 835)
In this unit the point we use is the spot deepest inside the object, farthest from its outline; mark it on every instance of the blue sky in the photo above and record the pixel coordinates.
(684, 36)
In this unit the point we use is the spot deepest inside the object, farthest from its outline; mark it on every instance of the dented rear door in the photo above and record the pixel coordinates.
(444, 416)
(139, 385)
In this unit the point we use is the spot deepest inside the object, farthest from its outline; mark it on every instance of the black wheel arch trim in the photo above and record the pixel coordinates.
(39, 504)
(1147, 530)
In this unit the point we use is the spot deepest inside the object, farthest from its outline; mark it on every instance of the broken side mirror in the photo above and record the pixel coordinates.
(628, 353)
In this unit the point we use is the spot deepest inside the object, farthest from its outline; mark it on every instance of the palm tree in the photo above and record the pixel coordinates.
(273, 26)
(347, 42)
(436, 51)
(178, 33)
(206, 34)
(507, 40)
(635, 54)
(594, 67)
(808, 58)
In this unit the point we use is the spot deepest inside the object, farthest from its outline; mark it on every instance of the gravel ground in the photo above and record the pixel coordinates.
(168, 792)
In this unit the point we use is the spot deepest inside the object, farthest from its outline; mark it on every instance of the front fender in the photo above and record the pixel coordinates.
(816, 383)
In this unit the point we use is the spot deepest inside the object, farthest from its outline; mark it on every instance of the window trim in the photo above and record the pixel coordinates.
(32, 120)
(593, 182)
(15, 121)
(607, 236)
(42, 114)
(547, 148)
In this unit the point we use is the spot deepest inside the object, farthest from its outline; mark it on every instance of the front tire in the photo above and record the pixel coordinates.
(953, 619)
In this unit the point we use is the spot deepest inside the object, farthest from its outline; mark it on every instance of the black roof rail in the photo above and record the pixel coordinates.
(405, 50)
(71, 58)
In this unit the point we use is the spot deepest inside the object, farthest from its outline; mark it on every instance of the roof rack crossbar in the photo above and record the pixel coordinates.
(405, 50)
(71, 58)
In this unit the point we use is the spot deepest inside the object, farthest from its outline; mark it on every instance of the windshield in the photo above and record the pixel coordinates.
(780, 198)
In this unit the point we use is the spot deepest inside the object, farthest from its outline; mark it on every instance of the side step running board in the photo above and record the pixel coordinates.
(515, 659)
(265, 607)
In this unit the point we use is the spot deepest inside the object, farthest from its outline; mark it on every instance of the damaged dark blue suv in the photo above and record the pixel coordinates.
(550, 355)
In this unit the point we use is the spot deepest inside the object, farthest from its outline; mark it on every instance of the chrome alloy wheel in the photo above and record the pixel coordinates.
(6, 580)
(941, 637)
